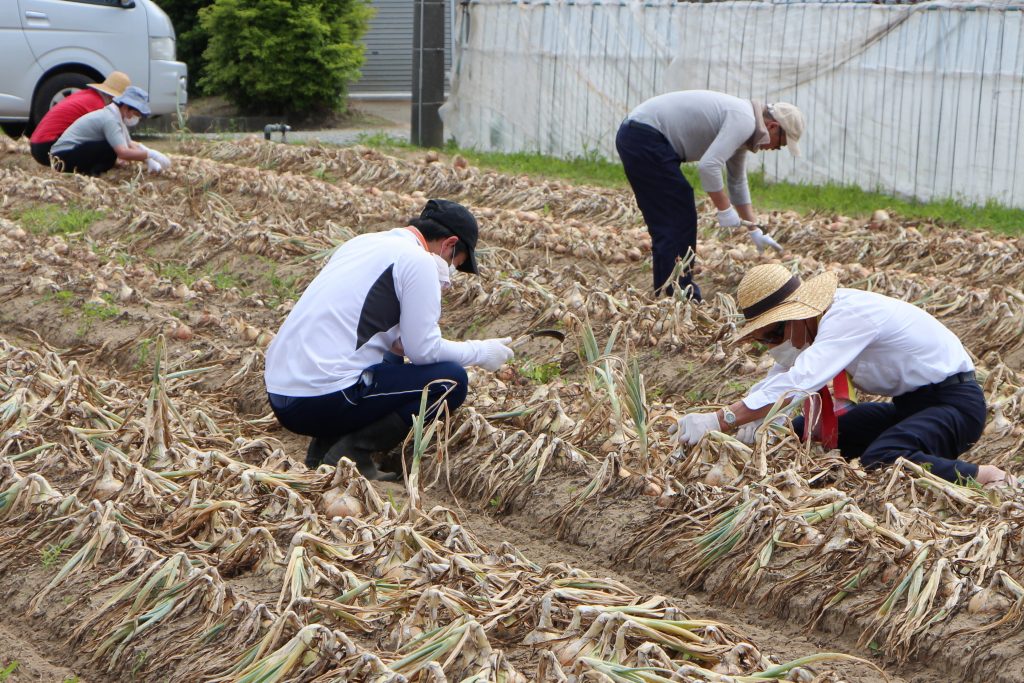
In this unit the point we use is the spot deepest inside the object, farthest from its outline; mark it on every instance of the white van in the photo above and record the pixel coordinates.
(51, 48)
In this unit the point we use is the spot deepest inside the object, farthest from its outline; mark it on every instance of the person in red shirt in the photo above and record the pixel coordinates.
(94, 96)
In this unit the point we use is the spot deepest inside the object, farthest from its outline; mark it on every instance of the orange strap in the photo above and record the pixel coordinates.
(825, 429)
(419, 235)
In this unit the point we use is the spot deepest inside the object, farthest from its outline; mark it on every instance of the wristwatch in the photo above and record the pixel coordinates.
(728, 417)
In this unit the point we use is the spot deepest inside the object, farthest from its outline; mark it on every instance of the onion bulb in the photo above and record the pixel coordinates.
(108, 485)
(988, 601)
(181, 332)
(652, 489)
(339, 503)
(567, 652)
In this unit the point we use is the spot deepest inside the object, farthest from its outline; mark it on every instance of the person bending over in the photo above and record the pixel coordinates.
(716, 131)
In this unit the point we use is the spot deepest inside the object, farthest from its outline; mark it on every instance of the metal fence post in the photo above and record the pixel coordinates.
(427, 73)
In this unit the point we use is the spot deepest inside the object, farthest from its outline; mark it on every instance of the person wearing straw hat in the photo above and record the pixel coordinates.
(95, 142)
(716, 131)
(335, 371)
(73, 107)
(819, 333)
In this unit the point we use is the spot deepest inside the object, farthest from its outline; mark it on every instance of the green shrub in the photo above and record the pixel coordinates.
(283, 56)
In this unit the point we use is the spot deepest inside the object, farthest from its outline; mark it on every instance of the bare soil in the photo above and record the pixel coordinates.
(251, 229)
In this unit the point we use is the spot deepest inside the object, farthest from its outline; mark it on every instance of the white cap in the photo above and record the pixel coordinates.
(792, 122)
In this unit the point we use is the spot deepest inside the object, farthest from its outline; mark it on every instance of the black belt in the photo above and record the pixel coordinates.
(958, 378)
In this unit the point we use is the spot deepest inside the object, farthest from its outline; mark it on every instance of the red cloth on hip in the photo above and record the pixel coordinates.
(833, 403)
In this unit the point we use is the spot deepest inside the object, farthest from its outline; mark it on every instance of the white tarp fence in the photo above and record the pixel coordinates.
(922, 100)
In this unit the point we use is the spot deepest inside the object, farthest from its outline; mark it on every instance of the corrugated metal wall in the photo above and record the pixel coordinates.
(388, 66)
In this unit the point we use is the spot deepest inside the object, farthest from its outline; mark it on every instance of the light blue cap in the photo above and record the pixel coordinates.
(136, 98)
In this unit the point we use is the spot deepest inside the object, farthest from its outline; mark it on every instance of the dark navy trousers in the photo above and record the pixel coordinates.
(89, 158)
(664, 196)
(389, 387)
(930, 426)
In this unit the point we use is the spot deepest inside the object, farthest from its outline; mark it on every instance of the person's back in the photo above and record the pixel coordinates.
(929, 351)
(347, 318)
(102, 124)
(692, 119)
(67, 111)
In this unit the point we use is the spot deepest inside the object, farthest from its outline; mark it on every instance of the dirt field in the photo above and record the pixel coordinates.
(156, 524)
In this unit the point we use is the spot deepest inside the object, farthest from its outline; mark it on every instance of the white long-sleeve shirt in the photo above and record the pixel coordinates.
(888, 346)
(376, 289)
(714, 129)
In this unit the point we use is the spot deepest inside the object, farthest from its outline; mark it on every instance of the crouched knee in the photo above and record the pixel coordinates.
(452, 382)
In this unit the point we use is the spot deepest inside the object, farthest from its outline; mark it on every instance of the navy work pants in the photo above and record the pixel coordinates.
(664, 196)
(929, 426)
(41, 152)
(386, 388)
(88, 158)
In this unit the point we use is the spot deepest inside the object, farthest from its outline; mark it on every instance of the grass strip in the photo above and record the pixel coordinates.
(829, 198)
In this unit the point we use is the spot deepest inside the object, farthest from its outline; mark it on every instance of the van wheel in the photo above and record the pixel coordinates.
(15, 130)
(55, 89)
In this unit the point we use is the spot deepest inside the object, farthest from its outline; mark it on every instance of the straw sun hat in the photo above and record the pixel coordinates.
(114, 85)
(770, 294)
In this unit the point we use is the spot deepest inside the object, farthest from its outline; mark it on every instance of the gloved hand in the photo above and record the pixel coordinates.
(153, 167)
(762, 240)
(494, 353)
(729, 218)
(691, 428)
(746, 432)
(162, 159)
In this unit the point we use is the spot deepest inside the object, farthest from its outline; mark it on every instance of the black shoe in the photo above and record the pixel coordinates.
(360, 446)
(318, 446)
(363, 460)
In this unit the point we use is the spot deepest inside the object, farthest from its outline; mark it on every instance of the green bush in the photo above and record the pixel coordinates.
(283, 56)
(192, 39)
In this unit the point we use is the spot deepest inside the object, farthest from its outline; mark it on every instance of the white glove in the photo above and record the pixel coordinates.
(158, 157)
(746, 432)
(729, 218)
(691, 428)
(761, 240)
(494, 353)
(153, 167)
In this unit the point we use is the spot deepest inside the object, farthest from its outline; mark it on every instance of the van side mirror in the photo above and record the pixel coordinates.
(127, 4)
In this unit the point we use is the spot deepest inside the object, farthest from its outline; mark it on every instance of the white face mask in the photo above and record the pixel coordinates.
(444, 272)
(785, 354)
(131, 121)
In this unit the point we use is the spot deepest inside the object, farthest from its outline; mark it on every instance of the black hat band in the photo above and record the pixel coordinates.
(772, 300)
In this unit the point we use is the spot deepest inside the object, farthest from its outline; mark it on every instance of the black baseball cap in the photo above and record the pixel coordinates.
(461, 223)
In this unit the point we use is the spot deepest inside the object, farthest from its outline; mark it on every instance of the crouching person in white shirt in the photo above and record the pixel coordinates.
(336, 372)
(818, 332)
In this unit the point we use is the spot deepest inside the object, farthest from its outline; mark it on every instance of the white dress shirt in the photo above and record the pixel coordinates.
(888, 346)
